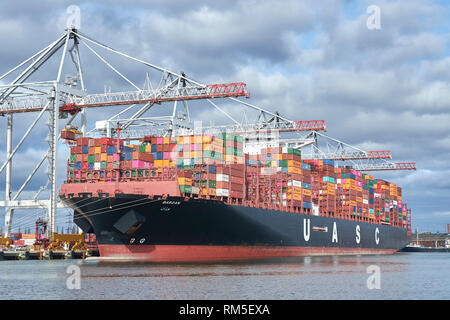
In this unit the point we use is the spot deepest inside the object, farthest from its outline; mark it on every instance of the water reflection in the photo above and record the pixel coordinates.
(403, 276)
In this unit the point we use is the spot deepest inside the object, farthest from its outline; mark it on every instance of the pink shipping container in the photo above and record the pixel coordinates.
(115, 157)
(140, 164)
(166, 155)
(160, 140)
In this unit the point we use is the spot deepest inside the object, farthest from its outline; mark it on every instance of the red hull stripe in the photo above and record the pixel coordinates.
(178, 253)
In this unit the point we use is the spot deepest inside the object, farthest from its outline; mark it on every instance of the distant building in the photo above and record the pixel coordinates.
(448, 228)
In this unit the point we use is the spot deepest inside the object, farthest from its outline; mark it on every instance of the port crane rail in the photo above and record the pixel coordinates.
(66, 98)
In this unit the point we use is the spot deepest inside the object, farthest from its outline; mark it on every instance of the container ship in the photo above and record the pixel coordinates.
(206, 198)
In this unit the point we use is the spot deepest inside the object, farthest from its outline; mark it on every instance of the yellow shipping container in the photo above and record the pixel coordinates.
(294, 170)
(294, 190)
(371, 216)
(98, 150)
(294, 163)
(103, 157)
(212, 192)
(206, 139)
(306, 192)
(184, 181)
(165, 163)
(353, 203)
(198, 139)
(294, 196)
(166, 140)
(158, 163)
(358, 199)
(148, 148)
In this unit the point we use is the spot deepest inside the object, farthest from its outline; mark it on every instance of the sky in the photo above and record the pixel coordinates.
(377, 89)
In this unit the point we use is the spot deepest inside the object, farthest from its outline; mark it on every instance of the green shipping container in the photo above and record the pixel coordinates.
(212, 184)
(91, 158)
(208, 154)
(142, 148)
(185, 189)
(103, 165)
(294, 151)
(73, 158)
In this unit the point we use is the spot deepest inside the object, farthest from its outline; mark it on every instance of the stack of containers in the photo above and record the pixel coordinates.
(306, 185)
(185, 181)
(323, 180)
(161, 149)
(232, 148)
(89, 155)
(212, 149)
(368, 195)
(292, 165)
(346, 189)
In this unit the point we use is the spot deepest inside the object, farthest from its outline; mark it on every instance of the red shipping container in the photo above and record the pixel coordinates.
(82, 141)
(236, 194)
(67, 135)
(237, 180)
(236, 187)
(19, 242)
(91, 143)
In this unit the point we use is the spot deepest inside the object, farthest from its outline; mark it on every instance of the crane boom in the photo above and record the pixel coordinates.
(107, 99)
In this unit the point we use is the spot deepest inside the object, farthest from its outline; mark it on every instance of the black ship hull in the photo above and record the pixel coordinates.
(136, 227)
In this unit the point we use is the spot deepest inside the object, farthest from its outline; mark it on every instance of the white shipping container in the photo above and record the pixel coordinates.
(195, 190)
(97, 165)
(222, 177)
(222, 192)
(294, 183)
(365, 201)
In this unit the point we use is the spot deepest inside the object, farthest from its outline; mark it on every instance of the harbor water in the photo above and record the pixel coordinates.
(398, 276)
